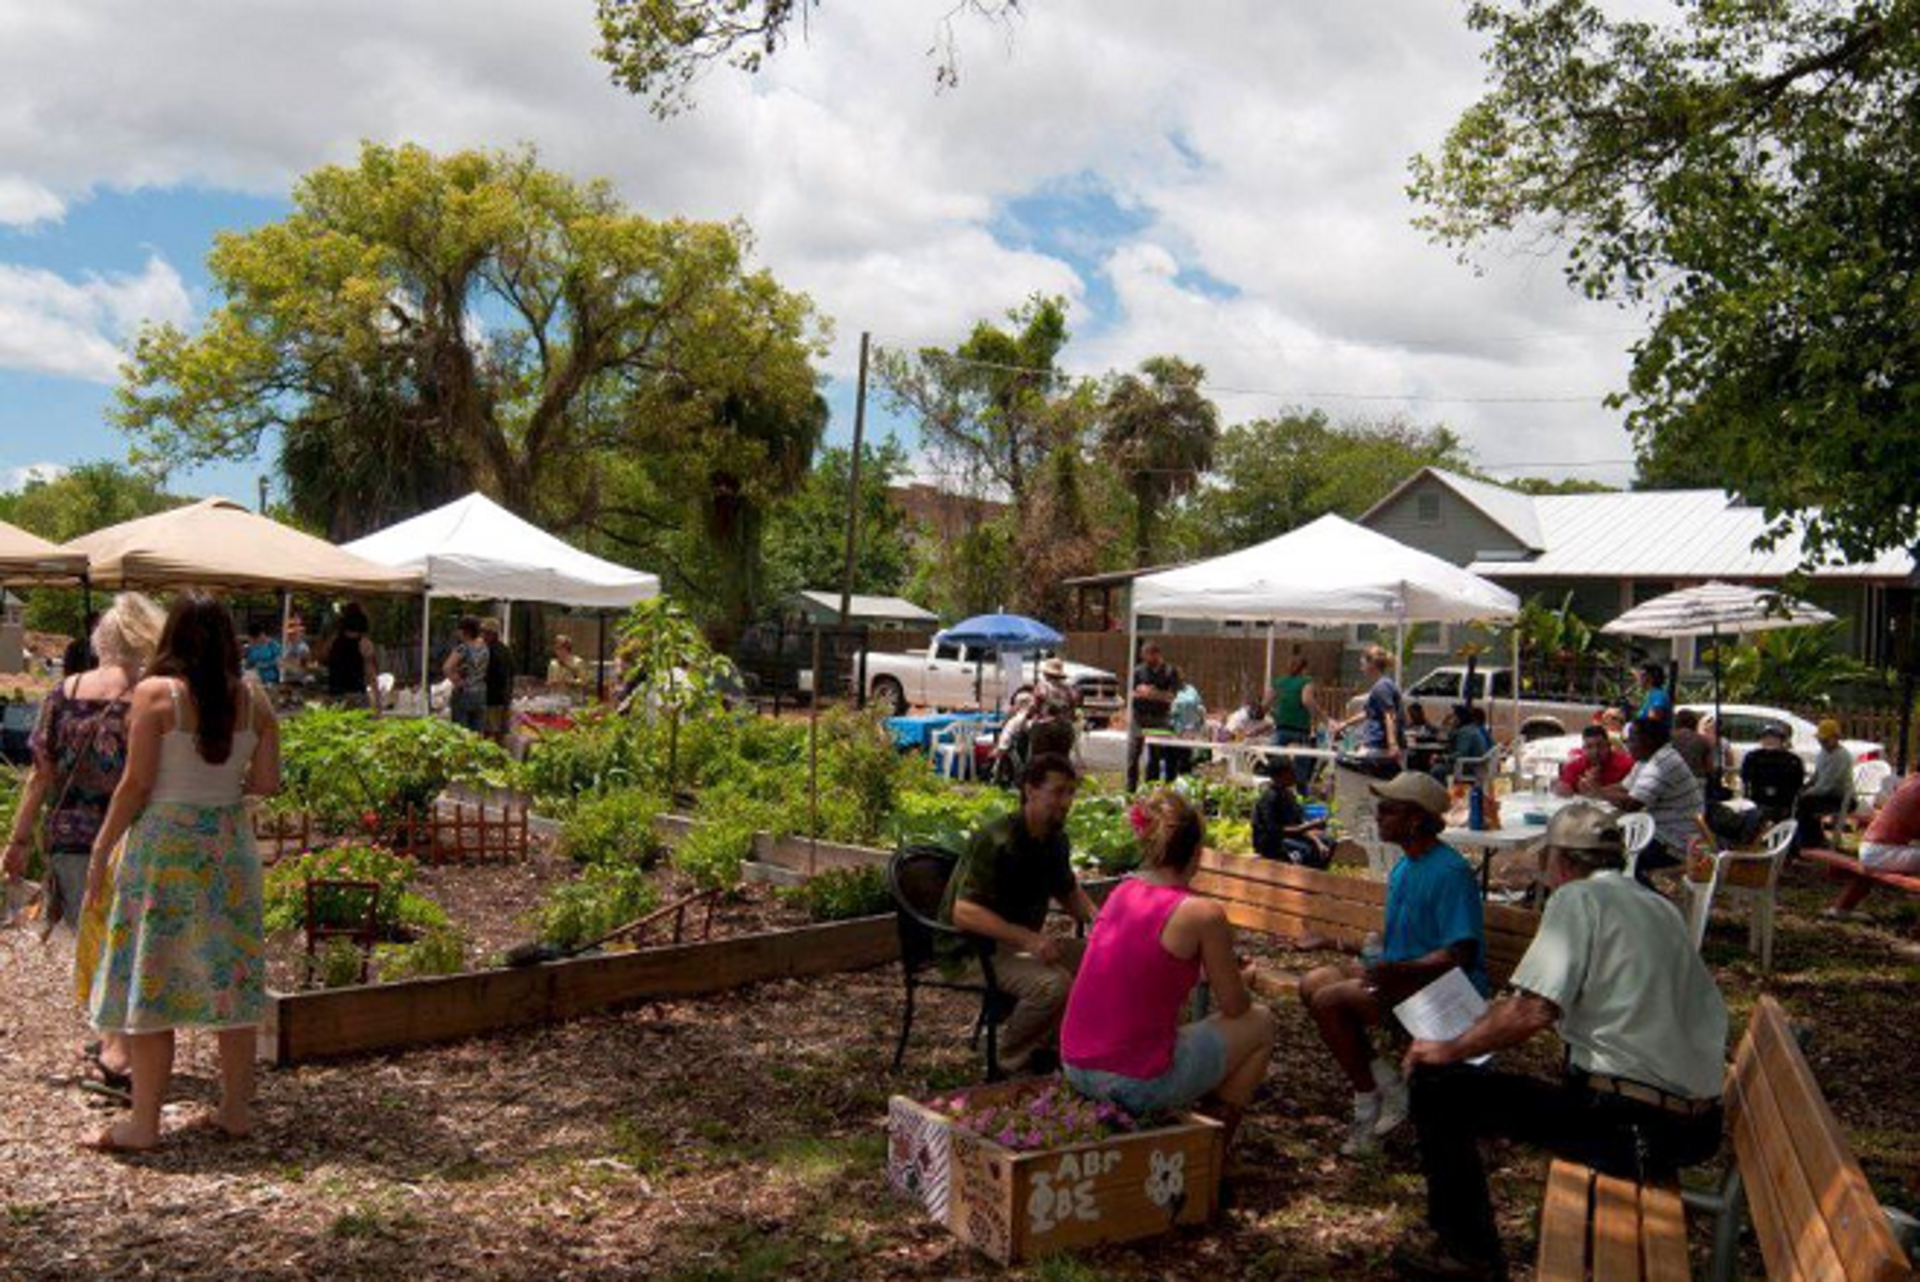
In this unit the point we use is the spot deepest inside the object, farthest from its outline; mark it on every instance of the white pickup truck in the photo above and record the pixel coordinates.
(944, 676)
(1440, 690)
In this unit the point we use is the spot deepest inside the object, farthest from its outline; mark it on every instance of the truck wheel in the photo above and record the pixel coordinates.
(888, 691)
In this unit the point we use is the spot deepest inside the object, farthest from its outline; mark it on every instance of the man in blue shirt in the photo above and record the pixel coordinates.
(1657, 703)
(1433, 924)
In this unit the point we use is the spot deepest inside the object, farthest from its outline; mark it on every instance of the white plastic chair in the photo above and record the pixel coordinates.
(951, 747)
(1636, 829)
(1869, 777)
(1773, 852)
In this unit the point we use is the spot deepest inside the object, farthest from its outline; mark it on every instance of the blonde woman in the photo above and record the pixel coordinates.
(1383, 719)
(79, 754)
(183, 945)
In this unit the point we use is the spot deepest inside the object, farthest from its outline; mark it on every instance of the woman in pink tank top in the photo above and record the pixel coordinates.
(1122, 1039)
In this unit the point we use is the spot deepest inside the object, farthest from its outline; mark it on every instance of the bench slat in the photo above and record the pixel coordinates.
(1267, 921)
(1837, 1192)
(1803, 1225)
(1616, 1229)
(1294, 903)
(1763, 1208)
(1277, 872)
(1663, 1234)
(1563, 1223)
(1848, 864)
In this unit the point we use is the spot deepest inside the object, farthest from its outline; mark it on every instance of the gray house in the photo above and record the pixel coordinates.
(1612, 551)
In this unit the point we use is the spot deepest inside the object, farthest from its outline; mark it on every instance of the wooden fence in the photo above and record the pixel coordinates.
(448, 832)
(1226, 670)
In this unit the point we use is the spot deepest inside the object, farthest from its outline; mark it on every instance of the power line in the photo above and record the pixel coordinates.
(1280, 394)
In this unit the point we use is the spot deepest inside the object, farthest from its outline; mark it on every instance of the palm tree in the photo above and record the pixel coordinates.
(1158, 430)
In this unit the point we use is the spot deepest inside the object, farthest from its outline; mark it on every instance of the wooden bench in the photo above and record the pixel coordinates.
(1793, 1170)
(1848, 865)
(1276, 898)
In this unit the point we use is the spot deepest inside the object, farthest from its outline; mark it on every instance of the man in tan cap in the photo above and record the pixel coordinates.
(1433, 923)
(1829, 792)
(1611, 968)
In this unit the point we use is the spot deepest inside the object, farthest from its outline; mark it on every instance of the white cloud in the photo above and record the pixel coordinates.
(17, 478)
(24, 203)
(52, 325)
(1263, 145)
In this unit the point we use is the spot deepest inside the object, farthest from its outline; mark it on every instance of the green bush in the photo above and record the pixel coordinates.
(440, 950)
(345, 766)
(336, 964)
(604, 896)
(945, 815)
(603, 752)
(712, 854)
(839, 894)
(614, 826)
(399, 909)
(1101, 837)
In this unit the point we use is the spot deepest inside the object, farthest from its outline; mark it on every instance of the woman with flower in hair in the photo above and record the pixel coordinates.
(1123, 1041)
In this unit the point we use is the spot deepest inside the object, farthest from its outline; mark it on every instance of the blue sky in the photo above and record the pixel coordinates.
(1230, 191)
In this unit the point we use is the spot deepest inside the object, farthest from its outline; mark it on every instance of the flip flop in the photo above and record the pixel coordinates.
(113, 1080)
(101, 1090)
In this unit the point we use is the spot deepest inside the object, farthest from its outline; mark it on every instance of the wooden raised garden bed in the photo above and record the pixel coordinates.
(1017, 1206)
(450, 831)
(398, 1016)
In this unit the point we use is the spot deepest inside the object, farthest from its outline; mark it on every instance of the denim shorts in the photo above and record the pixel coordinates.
(1199, 1065)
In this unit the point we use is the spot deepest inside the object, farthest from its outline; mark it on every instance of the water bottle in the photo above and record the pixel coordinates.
(1371, 950)
(1476, 809)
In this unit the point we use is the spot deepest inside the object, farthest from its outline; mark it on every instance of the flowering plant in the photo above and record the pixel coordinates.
(1042, 1114)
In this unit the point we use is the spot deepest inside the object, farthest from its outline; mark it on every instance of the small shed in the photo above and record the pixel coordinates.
(823, 609)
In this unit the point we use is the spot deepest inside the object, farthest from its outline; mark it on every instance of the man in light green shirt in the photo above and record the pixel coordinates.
(1611, 967)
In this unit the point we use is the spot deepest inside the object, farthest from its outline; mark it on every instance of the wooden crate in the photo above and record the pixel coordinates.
(1017, 1206)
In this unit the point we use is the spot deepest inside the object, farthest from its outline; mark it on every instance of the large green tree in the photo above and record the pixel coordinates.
(1748, 174)
(806, 532)
(1158, 430)
(1274, 475)
(422, 325)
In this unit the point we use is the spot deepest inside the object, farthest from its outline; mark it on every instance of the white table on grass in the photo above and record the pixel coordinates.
(1516, 832)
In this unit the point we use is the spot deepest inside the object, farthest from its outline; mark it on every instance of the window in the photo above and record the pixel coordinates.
(1503, 684)
(1438, 685)
(945, 651)
(1426, 508)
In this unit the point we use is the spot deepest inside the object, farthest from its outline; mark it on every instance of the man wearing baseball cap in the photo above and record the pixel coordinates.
(1772, 774)
(1829, 791)
(1612, 969)
(1433, 923)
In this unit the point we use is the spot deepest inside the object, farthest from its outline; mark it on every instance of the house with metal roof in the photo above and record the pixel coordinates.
(823, 608)
(1612, 551)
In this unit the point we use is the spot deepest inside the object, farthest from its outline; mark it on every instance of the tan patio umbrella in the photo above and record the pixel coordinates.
(28, 558)
(216, 543)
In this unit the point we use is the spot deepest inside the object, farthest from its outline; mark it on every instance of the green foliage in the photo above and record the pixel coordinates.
(1745, 174)
(614, 827)
(840, 894)
(399, 909)
(1159, 430)
(805, 538)
(1801, 666)
(603, 751)
(1100, 836)
(945, 815)
(336, 964)
(343, 764)
(13, 781)
(1275, 475)
(440, 950)
(603, 896)
(711, 854)
(423, 325)
(669, 657)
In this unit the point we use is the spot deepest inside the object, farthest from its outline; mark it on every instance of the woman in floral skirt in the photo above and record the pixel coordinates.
(183, 945)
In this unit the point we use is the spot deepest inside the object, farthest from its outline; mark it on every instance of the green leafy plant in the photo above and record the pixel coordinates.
(839, 894)
(354, 771)
(1786, 665)
(440, 950)
(336, 964)
(399, 910)
(712, 854)
(614, 826)
(945, 815)
(604, 896)
(1100, 836)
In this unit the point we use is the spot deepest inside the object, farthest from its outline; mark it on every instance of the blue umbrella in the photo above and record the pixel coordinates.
(1001, 632)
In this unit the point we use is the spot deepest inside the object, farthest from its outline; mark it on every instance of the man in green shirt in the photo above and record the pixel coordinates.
(1013, 869)
(1613, 969)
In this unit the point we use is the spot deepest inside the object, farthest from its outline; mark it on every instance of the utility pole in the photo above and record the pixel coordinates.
(853, 484)
(263, 496)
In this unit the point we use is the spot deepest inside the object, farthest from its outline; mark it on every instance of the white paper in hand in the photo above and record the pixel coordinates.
(1443, 1010)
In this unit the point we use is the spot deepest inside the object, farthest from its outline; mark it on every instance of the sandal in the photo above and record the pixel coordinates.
(101, 1090)
(110, 1078)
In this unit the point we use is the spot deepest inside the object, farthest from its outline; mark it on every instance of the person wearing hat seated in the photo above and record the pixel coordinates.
(1612, 970)
(1772, 774)
(1433, 923)
(1830, 791)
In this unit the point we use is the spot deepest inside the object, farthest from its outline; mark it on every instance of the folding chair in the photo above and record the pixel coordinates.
(917, 877)
(1752, 875)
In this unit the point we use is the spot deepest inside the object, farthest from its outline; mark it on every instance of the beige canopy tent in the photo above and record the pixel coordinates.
(28, 558)
(217, 543)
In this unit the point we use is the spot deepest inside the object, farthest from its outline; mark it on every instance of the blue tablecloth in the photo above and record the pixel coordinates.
(914, 732)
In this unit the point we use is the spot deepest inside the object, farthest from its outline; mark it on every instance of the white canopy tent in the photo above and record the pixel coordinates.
(475, 550)
(1328, 573)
